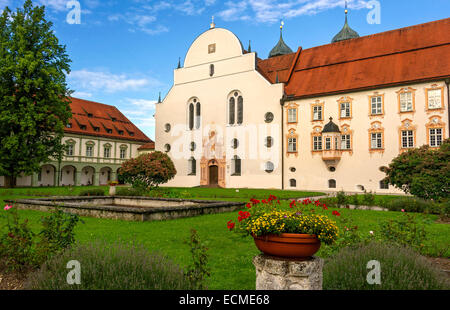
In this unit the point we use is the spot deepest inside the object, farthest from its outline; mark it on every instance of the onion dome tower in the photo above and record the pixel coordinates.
(281, 48)
(346, 33)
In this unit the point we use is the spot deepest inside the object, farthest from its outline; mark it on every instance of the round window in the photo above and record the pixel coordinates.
(235, 143)
(269, 167)
(268, 117)
(167, 148)
(293, 169)
(332, 169)
(167, 127)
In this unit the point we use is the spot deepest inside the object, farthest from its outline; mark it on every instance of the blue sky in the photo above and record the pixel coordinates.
(124, 51)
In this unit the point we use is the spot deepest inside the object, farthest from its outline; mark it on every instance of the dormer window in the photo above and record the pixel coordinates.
(83, 127)
(109, 130)
(90, 115)
(96, 129)
(121, 132)
(132, 134)
(113, 119)
(69, 125)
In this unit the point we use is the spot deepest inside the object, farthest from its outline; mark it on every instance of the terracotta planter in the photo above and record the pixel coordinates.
(288, 245)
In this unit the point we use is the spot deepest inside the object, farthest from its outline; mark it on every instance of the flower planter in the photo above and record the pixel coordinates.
(288, 245)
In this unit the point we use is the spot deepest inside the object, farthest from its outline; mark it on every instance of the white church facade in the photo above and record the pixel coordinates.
(326, 118)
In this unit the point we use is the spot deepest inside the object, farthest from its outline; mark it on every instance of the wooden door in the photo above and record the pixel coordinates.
(213, 175)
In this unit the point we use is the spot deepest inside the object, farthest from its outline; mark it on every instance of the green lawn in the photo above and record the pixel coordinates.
(230, 255)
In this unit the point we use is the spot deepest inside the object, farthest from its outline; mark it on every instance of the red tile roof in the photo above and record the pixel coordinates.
(148, 146)
(98, 118)
(407, 55)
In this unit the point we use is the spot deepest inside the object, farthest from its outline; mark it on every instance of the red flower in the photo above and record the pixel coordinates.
(336, 213)
(249, 205)
(243, 215)
(230, 225)
(292, 204)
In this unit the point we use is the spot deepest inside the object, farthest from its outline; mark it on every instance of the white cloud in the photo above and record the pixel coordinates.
(57, 5)
(269, 11)
(89, 81)
(82, 95)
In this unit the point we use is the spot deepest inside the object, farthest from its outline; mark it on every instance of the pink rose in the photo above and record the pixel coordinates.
(403, 210)
(6, 208)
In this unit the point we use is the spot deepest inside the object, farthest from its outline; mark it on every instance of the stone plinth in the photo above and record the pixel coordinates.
(275, 273)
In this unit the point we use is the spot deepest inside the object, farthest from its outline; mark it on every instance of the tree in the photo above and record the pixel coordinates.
(423, 172)
(148, 170)
(34, 96)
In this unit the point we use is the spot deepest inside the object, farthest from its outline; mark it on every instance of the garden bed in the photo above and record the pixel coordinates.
(129, 208)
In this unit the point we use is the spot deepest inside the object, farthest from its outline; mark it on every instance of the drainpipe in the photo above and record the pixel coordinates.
(282, 101)
(447, 82)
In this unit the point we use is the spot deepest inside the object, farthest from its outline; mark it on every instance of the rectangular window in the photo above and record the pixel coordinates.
(407, 139)
(435, 137)
(434, 99)
(317, 145)
(406, 102)
(69, 150)
(328, 143)
(384, 184)
(377, 105)
(292, 115)
(317, 113)
(345, 109)
(89, 151)
(123, 153)
(107, 152)
(292, 145)
(376, 141)
(345, 142)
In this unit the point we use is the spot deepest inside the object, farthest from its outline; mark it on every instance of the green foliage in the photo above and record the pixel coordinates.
(198, 270)
(423, 172)
(148, 170)
(92, 192)
(369, 199)
(21, 249)
(401, 269)
(409, 230)
(126, 191)
(341, 198)
(110, 266)
(411, 204)
(34, 96)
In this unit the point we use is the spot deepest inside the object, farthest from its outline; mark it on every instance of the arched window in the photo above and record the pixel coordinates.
(236, 165)
(192, 166)
(197, 115)
(191, 116)
(231, 107)
(332, 183)
(235, 108)
(240, 110)
(211, 70)
(293, 182)
(269, 167)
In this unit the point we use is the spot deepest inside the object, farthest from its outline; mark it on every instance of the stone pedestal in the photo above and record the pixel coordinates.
(275, 273)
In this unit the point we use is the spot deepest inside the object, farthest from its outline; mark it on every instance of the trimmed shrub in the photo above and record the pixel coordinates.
(105, 266)
(410, 204)
(401, 269)
(127, 191)
(93, 192)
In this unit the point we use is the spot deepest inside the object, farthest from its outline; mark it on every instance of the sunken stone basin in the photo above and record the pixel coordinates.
(129, 208)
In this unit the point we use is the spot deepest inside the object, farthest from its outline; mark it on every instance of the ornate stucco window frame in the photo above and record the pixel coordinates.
(71, 143)
(435, 122)
(292, 134)
(321, 104)
(346, 131)
(317, 132)
(292, 106)
(90, 144)
(427, 107)
(348, 100)
(413, 95)
(376, 127)
(407, 126)
(371, 115)
(123, 147)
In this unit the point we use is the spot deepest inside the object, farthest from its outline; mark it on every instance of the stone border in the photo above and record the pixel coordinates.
(145, 213)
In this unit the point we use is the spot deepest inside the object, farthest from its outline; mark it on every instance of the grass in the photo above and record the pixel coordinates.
(230, 254)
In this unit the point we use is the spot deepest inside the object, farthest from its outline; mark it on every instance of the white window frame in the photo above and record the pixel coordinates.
(436, 135)
(406, 101)
(292, 145)
(376, 140)
(345, 110)
(292, 115)
(89, 151)
(407, 139)
(317, 113)
(376, 105)
(317, 143)
(433, 98)
(346, 142)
